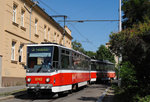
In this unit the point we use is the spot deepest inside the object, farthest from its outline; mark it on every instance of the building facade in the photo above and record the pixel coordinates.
(17, 30)
(116, 58)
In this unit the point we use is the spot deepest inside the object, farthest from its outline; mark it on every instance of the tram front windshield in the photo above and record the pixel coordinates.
(39, 58)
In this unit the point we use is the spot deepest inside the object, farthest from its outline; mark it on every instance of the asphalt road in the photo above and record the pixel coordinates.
(91, 93)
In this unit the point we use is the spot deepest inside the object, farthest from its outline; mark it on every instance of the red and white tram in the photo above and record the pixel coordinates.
(102, 70)
(55, 68)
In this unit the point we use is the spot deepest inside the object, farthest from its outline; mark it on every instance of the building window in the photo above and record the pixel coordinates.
(55, 37)
(48, 33)
(44, 32)
(21, 53)
(13, 50)
(22, 18)
(14, 12)
(36, 21)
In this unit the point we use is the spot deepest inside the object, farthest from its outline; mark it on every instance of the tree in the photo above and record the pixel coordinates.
(78, 46)
(90, 54)
(104, 54)
(134, 46)
(135, 11)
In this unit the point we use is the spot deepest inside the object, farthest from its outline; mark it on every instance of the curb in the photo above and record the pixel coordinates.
(103, 95)
(7, 97)
(11, 96)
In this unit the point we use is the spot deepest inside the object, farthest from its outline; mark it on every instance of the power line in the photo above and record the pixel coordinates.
(81, 21)
(48, 7)
(87, 40)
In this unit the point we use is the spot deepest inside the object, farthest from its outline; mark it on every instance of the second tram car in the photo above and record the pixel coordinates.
(103, 70)
(55, 68)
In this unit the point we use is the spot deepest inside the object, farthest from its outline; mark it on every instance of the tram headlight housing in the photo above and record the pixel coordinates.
(29, 80)
(47, 80)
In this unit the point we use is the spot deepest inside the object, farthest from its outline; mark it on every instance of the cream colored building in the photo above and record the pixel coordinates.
(115, 57)
(15, 35)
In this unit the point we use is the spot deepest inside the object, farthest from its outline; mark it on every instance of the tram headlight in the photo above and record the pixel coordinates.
(47, 80)
(29, 80)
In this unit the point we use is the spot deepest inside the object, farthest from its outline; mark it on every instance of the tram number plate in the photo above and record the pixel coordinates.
(38, 79)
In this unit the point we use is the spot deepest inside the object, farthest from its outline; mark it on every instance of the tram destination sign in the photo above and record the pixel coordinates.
(39, 49)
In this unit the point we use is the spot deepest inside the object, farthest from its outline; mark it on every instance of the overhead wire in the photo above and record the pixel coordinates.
(48, 7)
(82, 35)
(87, 40)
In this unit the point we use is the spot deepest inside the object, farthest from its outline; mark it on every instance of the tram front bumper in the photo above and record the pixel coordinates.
(39, 86)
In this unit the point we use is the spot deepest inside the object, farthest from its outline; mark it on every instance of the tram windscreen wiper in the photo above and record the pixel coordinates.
(39, 69)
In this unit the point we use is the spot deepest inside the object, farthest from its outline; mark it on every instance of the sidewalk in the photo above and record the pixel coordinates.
(109, 96)
(10, 91)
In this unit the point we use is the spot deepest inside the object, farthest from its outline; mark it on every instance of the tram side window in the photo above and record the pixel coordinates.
(65, 63)
(74, 60)
(78, 62)
(105, 67)
(74, 63)
(93, 66)
(111, 67)
(87, 64)
(100, 67)
(55, 57)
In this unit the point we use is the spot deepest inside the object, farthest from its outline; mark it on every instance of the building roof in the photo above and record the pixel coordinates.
(49, 18)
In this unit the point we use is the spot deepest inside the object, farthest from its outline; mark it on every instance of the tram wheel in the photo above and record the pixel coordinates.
(75, 87)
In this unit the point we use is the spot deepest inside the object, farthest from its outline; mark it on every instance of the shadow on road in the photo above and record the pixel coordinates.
(42, 96)
(108, 98)
(88, 99)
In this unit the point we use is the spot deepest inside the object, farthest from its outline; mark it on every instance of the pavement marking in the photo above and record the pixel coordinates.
(103, 95)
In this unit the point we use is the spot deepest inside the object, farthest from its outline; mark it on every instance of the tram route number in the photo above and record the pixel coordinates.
(38, 79)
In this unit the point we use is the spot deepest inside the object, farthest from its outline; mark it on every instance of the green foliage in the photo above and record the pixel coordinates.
(145, 99)
(105, 54)
(135, 11)
(90, 53)
(133, 43)
(128, 76)
(134, 46)
(78, 46)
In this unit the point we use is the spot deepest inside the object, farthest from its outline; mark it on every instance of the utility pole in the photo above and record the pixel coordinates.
(120, 56)
(30, 11)
(35, 3)
(120, 23)
(64, 16)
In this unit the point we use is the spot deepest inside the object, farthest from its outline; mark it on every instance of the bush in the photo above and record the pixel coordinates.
(128, 76)
(145, 99)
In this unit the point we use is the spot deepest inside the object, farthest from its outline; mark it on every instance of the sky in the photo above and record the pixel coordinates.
(90, 34)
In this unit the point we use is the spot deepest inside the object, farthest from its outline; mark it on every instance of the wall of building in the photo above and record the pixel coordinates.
(1, 24)
(0, 70)
(13, 72)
